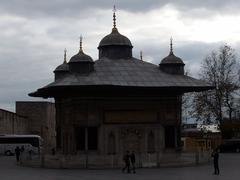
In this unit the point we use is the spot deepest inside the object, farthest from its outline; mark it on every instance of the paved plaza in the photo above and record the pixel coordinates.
(229, 170)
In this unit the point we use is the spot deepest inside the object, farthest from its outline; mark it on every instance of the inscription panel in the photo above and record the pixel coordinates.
(130, 116)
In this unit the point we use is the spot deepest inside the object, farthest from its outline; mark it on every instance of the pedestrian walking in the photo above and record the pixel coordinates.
(22, 153)
(215, 156)
(22, 149)
(126, 159)
(30, 154)
(17, 152)
(133, 160)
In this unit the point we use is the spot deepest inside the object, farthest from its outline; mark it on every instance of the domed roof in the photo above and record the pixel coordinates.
(80, 57)
(115, 38)
(63, 68)
(172, 59)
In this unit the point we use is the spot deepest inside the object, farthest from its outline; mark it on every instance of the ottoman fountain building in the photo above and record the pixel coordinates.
(118, 103)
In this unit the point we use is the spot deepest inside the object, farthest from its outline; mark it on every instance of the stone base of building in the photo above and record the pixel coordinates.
(114, 161)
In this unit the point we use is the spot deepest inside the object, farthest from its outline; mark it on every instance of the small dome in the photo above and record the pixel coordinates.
(63, 68)
(171, 59)
(172, 64)
(115, 38)
(80, 57)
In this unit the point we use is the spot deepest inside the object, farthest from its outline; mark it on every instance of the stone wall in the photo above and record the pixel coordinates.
(12, 123)
(41, 120)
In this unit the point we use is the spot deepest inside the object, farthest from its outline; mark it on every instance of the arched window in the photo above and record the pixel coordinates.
(111, 143)
(151, 142)
(59, 137)
(170, 137)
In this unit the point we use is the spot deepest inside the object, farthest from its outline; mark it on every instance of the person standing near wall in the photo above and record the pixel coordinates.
(215, 156)
(17, 152)
(133, 160)
(126, 159)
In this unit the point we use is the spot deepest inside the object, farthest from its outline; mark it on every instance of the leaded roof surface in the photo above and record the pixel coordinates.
(80, 57)
(62, 67)
(172, 59)
(131, 72)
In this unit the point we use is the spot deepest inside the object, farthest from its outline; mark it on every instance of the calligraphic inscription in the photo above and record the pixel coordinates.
(129, 116)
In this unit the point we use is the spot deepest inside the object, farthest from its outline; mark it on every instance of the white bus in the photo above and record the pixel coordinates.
(31, 143)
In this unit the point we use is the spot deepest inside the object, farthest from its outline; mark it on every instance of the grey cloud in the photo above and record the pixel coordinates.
(26, 62)
(192, 53)
(29, 54)
(18, 91)
(27, 69)
(82, 8)
(63, 8)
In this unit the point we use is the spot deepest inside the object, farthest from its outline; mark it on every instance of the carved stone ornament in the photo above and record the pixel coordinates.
(125, 132)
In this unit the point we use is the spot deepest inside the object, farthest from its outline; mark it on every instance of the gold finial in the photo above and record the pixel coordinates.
(114, 17)
(141, 55)
(171, 45)
(65, 56)
(81, 43)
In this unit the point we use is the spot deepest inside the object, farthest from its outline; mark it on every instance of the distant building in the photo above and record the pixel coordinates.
(13, 123)
(231, 128)
(31, 117)
(118, 103)
(41, 120)
(200, 138)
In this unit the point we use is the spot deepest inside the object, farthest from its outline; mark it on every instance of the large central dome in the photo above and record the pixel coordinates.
(115, 45)
(115, 38)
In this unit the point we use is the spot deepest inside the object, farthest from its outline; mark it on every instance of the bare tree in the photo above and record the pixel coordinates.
(187, 100)
(220, 69)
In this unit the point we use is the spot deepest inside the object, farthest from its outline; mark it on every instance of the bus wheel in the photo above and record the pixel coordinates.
(237, 150)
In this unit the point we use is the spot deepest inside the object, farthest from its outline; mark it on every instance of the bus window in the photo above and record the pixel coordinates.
(8, 143)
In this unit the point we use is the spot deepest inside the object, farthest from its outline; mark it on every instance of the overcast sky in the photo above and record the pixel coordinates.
(34, 33)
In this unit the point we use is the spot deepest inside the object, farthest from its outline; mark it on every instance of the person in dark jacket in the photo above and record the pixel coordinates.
(17, 152)
(133, 160)
(215, 156)
(126, 159)
(22, 149)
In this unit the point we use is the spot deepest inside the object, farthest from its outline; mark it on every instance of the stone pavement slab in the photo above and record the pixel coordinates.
(229, 170)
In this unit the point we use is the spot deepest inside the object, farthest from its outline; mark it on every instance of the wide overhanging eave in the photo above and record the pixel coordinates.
(97, 89)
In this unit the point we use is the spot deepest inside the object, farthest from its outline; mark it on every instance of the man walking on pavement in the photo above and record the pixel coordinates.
(215, 156)
(133, 160)
(17, 152)
(126, 159)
